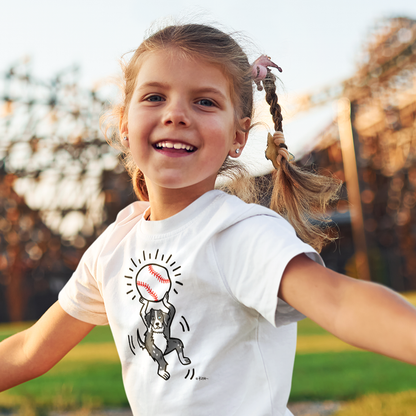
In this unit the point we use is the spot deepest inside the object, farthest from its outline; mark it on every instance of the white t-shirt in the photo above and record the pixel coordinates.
(220, 262)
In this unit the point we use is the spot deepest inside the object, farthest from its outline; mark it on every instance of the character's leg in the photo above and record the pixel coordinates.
(158, 356)
(139, 340)
(177, 344)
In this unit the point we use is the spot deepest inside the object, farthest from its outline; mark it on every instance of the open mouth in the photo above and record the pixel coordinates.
(180, 147)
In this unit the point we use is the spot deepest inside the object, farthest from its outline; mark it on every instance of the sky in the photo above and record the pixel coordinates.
(316, 42)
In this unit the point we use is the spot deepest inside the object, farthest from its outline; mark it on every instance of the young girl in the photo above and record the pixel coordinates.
(202, 291)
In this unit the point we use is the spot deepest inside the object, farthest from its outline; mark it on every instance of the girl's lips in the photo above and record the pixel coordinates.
(171, 152)
(174, 149)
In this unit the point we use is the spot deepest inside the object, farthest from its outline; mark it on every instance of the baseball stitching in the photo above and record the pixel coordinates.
(149, 290)
(158, 276)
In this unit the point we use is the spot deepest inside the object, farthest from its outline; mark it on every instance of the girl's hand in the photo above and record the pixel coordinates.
(33, 352)
(364, 314)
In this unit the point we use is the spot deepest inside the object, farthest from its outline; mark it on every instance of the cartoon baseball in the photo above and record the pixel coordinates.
(153, 282)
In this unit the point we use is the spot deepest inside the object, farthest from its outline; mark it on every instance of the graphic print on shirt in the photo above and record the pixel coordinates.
(149, 282)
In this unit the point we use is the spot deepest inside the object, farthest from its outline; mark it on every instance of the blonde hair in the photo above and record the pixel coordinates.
(301, 197)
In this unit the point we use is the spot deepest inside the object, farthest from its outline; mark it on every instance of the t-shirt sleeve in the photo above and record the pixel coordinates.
(82, 296)
(252, 255)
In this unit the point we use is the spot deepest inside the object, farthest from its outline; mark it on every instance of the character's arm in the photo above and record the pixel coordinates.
(364, 314)
(143, 310)
(169, 306)
(31, 353)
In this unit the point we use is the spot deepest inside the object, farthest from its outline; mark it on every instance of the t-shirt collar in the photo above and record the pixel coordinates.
(181, 219)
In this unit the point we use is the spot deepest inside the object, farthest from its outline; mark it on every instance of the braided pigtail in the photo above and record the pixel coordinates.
(300, 196)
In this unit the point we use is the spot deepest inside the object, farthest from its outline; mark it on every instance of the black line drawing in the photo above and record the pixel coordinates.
(131, 344)
(157, 338)
(190, 372)
(152, 286)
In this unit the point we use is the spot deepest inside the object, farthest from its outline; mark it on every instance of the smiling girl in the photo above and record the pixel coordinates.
(179, 127)
(202, 291)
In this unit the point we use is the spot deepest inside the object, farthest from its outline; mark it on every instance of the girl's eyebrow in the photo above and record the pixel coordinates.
(153, 84)
(211, 90)
(164, 85)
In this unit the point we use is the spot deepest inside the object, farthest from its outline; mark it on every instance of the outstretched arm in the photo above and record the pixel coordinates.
(33, 352)
(366, 315)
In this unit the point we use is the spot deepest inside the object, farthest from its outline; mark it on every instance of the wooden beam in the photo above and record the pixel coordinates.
(353, 188)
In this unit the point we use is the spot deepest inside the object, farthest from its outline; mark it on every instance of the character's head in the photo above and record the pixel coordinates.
(156, 319)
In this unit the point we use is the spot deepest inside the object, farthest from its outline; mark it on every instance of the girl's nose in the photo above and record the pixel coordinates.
(176, 114)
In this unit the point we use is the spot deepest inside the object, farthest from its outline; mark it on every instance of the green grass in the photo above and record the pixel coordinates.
(347, 375)
(85, 378)
(72, 385)
(306, 327)
(9, 329)
(398, 404)
(97, 335)
(344, 374)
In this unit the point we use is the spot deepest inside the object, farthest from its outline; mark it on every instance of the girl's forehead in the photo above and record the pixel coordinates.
(173, 64)
(176, 59)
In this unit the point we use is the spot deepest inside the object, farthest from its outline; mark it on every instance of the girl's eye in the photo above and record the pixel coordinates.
(154, 98)
(206, 103)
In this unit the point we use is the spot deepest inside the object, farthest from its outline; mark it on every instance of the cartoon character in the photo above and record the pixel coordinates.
(157, 339)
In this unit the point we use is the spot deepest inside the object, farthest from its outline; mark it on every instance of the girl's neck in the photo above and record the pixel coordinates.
(166, 203)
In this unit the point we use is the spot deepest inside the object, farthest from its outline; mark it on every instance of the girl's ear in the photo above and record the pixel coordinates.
(240, 138)
(123, 129)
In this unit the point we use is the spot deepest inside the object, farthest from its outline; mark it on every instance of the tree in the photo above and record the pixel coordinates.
(60, 184)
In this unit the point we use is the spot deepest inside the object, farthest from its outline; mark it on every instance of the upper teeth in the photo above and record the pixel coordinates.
(171, 145)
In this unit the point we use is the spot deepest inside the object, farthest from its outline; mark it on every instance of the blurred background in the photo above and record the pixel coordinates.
(348, 94)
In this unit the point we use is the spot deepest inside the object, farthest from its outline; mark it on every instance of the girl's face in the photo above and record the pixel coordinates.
(181, 122)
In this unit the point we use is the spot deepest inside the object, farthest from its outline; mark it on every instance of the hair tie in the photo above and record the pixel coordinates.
(277, 149)
(260, 68)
